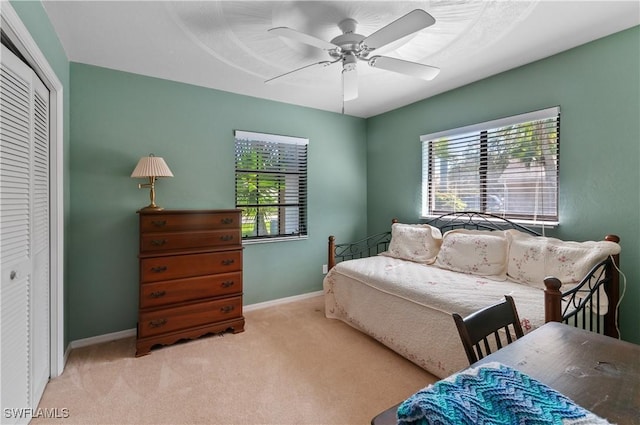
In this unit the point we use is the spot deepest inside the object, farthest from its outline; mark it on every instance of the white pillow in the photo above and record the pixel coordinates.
(479, 252)
(532, 258)
(414, 242)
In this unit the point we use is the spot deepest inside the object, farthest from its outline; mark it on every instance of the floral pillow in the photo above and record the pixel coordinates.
(532, 258)
(479, 252)
(414, 242)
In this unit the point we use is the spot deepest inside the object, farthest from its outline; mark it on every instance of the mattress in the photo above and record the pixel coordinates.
(407, 306)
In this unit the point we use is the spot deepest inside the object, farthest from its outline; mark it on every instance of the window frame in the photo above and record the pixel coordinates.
(480, 131)
(279, 172)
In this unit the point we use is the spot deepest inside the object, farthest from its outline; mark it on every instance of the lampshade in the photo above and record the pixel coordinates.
(151, 166)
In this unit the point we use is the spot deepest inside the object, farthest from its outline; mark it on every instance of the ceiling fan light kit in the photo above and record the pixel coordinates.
(349, 84)
(351, 47)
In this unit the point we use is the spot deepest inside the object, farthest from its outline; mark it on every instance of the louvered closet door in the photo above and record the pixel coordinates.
(24, 237)
(40, 316)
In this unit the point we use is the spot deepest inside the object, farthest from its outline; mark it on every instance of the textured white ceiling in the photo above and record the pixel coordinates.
(225, 44)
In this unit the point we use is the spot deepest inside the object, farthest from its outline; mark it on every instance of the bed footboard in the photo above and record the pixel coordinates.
(579, 305)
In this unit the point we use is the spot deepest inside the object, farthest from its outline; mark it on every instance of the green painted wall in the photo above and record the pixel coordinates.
(35, 19)
(597, 86)
(361, 172)
(119, 117)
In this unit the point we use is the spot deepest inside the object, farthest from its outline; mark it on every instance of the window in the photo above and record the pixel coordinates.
(507, 167)
(271, 185)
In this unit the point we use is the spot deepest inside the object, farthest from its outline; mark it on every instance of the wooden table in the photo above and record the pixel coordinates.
(599, 373)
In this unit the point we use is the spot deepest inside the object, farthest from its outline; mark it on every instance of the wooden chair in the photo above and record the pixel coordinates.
(476, 329)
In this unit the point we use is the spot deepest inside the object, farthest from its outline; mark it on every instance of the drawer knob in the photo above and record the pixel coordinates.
(228, 261)
(158, 242)
(227, 284)
(226, 237)
(227, 309)
(227, 220)
(159, 269)
(159, 223)
(158, 323)
(158, 294)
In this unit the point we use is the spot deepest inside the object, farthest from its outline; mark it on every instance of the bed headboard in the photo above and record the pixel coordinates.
(375, 244)
(477, 221)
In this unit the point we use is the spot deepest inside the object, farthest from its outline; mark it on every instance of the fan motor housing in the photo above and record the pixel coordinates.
(349, 42)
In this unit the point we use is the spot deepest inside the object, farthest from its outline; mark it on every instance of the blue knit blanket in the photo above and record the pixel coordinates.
(492, 394)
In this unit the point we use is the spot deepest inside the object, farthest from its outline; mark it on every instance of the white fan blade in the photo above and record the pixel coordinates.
(349, 84)
(408, 24)
(302, 38)
(413, 69)
(321, 63)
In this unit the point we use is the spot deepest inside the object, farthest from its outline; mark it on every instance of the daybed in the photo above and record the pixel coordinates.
(401, 286)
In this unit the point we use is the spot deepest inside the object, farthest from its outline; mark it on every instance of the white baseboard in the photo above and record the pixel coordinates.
(132, 332)
(101, 338)
(279, 301)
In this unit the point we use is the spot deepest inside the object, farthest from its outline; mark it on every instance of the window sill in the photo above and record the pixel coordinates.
(276, 239)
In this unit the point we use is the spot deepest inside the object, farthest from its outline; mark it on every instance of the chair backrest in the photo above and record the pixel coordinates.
(476, 329)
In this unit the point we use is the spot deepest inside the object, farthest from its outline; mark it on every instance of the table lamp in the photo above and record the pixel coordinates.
(151, 167)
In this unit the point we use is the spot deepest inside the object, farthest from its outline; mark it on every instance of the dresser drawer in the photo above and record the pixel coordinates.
(159, 242)
(178, 318)
(190, 289)
(180, 266)
(168, 222)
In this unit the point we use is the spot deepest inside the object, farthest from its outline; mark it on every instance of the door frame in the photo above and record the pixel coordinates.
(24, 42)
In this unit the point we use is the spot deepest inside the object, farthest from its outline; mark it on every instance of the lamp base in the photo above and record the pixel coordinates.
(151, 208)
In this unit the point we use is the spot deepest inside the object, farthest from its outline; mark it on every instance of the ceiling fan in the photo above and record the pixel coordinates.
(351, 47)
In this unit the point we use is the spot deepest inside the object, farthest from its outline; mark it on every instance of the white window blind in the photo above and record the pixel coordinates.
(507, 167)
(271, 185)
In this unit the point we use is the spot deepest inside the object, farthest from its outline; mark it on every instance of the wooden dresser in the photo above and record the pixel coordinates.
(190, 275)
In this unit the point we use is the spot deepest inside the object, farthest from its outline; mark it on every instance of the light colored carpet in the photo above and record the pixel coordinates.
(290, 366)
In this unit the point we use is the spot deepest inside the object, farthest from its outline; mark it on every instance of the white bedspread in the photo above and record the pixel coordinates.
(407, 306)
